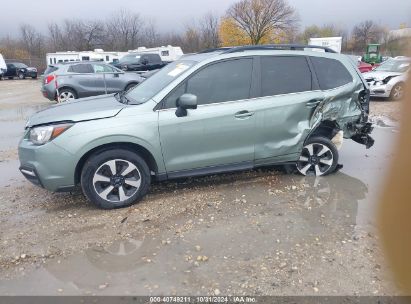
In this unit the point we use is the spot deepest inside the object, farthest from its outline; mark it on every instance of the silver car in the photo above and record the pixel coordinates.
(388, 79)
(69, 81)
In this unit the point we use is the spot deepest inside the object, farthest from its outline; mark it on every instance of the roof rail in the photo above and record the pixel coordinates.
(221, 49)
(292, 47)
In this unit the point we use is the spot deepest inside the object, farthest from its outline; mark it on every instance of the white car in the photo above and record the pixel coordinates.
(388, 79)
(3, 66)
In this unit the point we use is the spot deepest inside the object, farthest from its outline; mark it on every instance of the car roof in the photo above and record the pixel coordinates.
(251, 50)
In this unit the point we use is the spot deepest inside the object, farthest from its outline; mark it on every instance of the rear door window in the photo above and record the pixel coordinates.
(284, 75)
(81, 68)
(331, 73)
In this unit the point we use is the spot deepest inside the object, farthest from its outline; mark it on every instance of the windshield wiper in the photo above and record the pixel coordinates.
(121, 97)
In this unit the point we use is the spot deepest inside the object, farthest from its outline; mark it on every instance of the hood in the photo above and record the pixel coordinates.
(379, 75)
(79, 110)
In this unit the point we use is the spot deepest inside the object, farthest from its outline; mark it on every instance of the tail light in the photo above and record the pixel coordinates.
(49, 79)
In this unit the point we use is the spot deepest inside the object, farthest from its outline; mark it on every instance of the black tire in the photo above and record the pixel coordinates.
(394, 92)
(130, 86)
(21, 75)
(326, 163)
(10, 77)
(96, 163)
(34, 77)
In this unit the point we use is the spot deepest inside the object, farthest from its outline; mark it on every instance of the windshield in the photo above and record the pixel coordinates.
(394, 65)
(153, 85)
(372, 49)
(130, 58)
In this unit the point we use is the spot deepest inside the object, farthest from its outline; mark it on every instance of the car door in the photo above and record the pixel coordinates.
(83, 79)
(109, 77)
(289, 96)
(11, 70)
(219, 134)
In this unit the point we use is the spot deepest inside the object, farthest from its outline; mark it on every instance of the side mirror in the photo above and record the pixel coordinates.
(185, 102)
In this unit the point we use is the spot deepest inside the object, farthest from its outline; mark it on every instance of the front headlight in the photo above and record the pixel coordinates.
(44, 134)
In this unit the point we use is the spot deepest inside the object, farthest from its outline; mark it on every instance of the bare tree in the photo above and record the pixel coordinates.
(125, 30)
(366, 32)
(260, 17)
(151, 36)
(32, 40)
(208, 28)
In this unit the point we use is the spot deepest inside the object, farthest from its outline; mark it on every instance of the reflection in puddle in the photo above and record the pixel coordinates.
(131, 264)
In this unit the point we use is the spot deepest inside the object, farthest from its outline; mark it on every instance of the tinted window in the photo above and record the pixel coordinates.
(81, 68)
(284, 75)
(219, 82)
(154, 58)
(331, 73)
(50, 69)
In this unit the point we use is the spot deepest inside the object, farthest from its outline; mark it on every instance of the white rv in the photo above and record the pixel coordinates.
(96, 55)
(334, 43)
(3, 66)
(167, 53)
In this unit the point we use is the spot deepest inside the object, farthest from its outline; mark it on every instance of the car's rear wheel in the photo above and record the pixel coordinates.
(318, 157)
(66, 95)
(397, 92)
(21, 75)
(115, 178)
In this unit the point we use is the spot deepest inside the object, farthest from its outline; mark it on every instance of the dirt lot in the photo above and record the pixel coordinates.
(260, 232)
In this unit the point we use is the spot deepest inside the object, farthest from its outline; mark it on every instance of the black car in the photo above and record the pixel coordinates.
(140, 62)
(20, 70)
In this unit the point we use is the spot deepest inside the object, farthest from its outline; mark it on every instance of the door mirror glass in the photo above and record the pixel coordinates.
(185, 102)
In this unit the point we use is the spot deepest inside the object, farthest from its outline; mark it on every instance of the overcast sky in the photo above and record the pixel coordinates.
(171, 15)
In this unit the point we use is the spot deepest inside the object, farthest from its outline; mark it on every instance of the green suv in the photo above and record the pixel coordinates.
(217, 111)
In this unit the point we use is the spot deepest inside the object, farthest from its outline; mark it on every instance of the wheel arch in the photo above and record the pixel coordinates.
(132, 82)
(132, 147)
(67, 87)
(326, 128)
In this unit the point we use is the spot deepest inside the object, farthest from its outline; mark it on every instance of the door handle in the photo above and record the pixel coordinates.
(313, 102)
(243, 114)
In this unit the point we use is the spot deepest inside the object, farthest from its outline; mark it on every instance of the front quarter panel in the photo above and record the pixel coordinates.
(137, 124)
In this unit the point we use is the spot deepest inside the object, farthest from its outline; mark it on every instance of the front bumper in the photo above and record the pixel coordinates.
(47, 166)
(31, 74)
(380, 90)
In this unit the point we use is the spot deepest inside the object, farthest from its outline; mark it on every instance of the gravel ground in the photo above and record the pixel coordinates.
(260, 232)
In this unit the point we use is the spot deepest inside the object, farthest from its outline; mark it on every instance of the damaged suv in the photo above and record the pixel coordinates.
(218, 111)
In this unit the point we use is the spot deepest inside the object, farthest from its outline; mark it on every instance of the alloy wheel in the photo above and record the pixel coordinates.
(66, 96)
(398, 92)
(117, 180)
(316, 159)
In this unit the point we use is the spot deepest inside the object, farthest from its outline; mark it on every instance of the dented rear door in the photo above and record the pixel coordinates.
(290, 95)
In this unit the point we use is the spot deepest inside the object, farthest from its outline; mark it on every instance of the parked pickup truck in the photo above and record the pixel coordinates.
(140, 62)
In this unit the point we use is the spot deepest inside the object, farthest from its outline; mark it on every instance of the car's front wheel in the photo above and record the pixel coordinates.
(318, 157)
(397, 92)
(115, 178)
(21, 75)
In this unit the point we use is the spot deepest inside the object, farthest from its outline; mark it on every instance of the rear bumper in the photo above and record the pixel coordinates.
(50, 94)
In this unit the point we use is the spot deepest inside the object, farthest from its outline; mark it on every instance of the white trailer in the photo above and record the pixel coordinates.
(167, 53)
(96, 55)
(334, 43)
